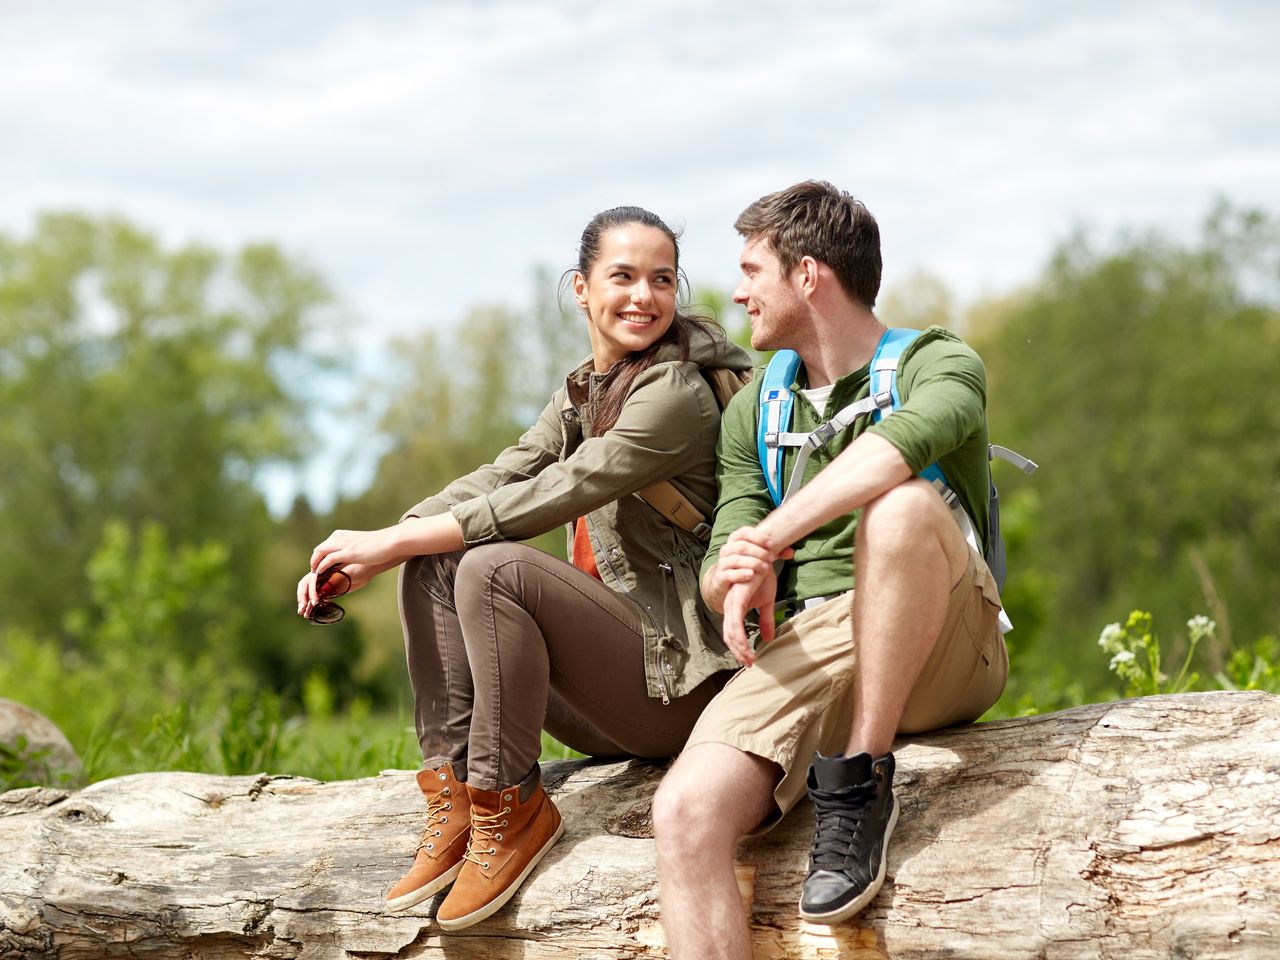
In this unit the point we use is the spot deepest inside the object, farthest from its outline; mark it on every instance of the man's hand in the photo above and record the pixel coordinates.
(743, 580)
(746, 557)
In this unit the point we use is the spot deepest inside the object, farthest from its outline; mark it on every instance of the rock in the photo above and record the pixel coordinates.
(33, 750)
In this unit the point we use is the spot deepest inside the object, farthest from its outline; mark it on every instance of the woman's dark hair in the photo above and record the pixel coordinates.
(623, 373)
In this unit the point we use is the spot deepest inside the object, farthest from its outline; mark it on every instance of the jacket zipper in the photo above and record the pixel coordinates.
(666, 676)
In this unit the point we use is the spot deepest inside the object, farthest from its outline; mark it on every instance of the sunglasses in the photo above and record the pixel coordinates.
(328, 586)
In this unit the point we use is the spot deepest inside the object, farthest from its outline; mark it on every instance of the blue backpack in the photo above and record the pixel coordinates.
(775, 417)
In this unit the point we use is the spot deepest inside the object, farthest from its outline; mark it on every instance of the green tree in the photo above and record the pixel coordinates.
(1142, 378)
(142, 383)
(916, 301)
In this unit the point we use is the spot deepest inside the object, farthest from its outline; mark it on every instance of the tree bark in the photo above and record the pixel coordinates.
(1140, 829)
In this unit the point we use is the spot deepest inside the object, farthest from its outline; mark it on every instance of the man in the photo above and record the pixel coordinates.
(916, 646)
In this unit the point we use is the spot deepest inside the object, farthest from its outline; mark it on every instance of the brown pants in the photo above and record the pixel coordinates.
(504, 640)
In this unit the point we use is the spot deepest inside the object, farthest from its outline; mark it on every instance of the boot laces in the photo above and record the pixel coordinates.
(840, 815)
(484, 833)
(438, 807)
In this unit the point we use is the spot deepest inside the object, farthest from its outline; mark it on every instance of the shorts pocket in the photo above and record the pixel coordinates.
(981, 615)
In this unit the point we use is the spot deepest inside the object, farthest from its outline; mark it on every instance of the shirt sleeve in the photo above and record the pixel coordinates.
(944, 386)
(658, 434)
(539, 446)
(743, 499)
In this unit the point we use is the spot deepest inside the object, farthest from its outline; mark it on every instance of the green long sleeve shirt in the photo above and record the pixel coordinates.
(942, 418)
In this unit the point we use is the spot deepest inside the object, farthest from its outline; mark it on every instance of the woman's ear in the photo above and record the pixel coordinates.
(580, 289)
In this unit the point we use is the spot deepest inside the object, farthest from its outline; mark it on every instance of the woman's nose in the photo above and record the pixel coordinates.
(641, 293)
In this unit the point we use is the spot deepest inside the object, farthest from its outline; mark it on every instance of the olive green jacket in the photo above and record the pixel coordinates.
(559, 471)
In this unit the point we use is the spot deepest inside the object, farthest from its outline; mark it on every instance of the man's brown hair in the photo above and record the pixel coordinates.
(815, 219)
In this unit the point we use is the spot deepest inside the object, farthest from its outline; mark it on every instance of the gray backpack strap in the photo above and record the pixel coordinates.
(823, 435)
(994, 451)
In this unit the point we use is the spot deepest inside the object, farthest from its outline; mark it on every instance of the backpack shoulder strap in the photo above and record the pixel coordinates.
(775, 417)
(884, 369)
(884, 382)
(664, 496)
(724, 383)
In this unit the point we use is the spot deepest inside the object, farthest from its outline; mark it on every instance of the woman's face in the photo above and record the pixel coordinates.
(630, 295)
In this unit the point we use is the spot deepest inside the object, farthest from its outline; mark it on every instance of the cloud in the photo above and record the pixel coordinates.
(425, 156)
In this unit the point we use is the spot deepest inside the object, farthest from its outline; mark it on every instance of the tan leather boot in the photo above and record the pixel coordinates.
(511, 830)
(444, 841)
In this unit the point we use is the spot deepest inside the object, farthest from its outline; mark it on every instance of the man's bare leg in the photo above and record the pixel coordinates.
(712, 797)
(909, 553)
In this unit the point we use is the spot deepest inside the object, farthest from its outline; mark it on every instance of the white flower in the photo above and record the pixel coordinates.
(1124, 656)
(1201, 626)
(1110, 636)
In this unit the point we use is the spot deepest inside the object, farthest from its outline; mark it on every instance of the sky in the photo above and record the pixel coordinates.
(425, 156)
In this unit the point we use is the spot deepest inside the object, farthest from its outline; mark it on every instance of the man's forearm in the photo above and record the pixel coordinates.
(867, 468)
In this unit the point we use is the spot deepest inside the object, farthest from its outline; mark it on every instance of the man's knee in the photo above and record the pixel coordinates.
(681, 812)
(904, 517)
(902, 511)
(712, 796)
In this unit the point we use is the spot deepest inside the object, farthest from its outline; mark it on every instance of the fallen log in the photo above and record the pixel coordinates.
(1139, 829)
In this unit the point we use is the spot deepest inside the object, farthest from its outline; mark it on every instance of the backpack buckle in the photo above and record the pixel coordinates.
(824, 433)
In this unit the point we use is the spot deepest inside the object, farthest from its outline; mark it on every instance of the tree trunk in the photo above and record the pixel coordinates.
(1142, 829)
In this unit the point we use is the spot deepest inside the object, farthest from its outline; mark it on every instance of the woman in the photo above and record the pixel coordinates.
(615, 654)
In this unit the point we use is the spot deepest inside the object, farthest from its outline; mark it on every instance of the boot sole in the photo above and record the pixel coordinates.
(415, 897)
(500, 901)
(867, 895)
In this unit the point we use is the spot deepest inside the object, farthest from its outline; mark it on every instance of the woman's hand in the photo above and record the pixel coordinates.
(363, 554)
(377, 548)
(359, 574)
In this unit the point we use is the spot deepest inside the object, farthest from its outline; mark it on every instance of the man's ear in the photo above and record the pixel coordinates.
(809, 269)
(580, 289)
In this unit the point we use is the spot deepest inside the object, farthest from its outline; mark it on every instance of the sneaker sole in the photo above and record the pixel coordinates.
(415, 897)
(867, 895)
(500, 901)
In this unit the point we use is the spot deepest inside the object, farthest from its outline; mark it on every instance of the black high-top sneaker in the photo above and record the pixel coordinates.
(856, 812)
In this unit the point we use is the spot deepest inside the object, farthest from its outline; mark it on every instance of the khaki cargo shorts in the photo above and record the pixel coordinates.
(797, 699)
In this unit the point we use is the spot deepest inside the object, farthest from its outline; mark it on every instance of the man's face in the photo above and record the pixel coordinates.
(771, 300)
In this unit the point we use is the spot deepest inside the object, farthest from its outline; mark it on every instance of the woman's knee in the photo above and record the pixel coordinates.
(483, 563)
(433, 572)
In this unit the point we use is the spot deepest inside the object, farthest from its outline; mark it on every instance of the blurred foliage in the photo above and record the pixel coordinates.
(1142, 378)
(149, 386)
(22, 765)
(918, 300)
